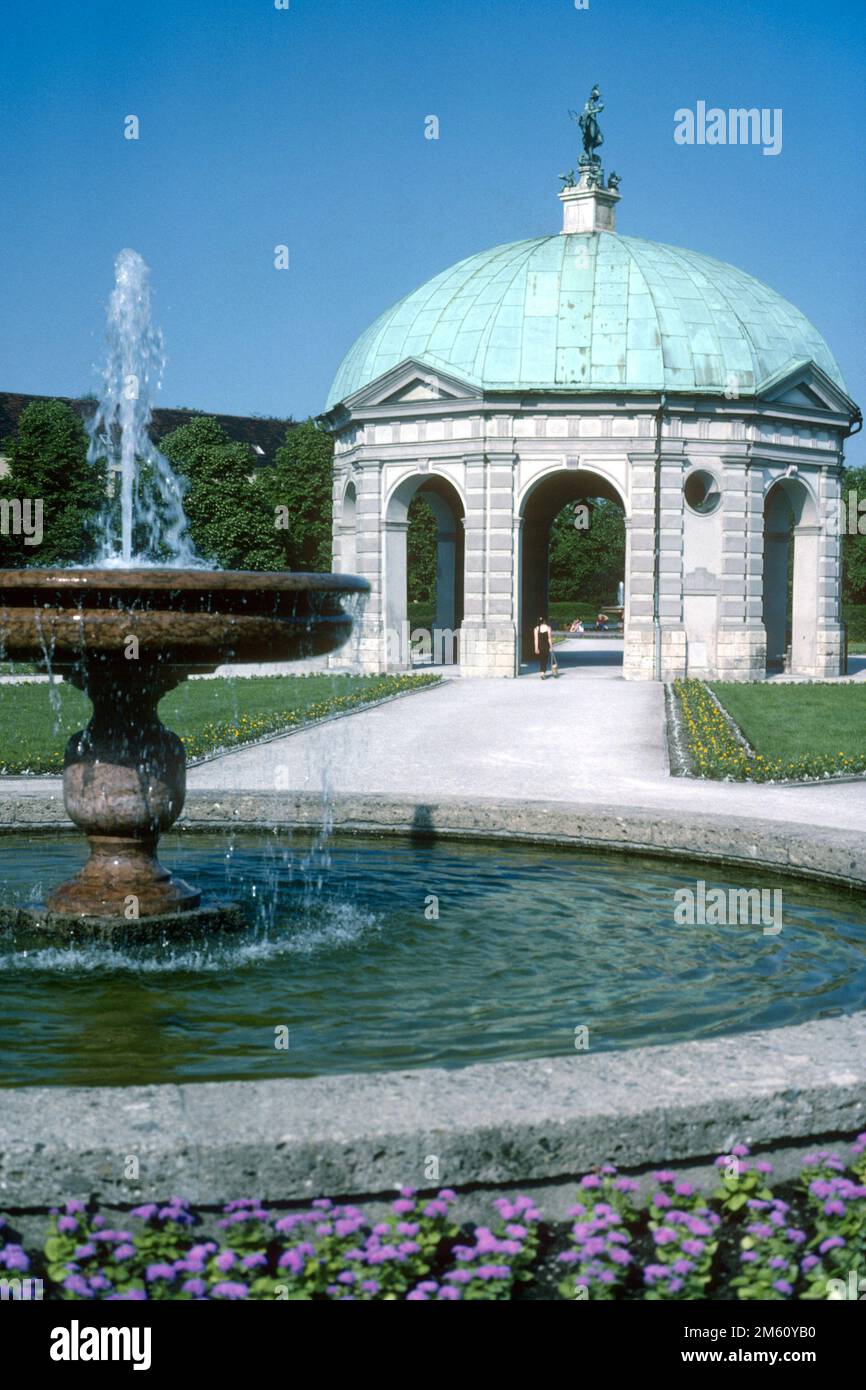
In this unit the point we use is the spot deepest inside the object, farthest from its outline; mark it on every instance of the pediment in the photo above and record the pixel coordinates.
(410, 381)
(806, 385)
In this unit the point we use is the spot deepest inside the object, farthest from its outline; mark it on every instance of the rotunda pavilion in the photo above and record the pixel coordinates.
(586, 364)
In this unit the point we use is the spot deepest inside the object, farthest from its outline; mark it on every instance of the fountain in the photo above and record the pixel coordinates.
(130, 630)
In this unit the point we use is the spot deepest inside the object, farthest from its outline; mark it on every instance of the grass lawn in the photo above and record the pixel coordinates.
(796, 731)
(207, 714)
(796, 721)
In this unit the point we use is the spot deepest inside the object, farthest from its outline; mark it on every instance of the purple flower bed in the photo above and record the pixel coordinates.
(743, 1241)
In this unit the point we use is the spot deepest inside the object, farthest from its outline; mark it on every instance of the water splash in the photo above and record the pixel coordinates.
(144, 521)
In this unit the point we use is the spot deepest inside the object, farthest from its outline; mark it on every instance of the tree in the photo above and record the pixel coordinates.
(853, 546)
(587, 563)
(301, 482)
(48, 463)
(231, 519)
(421, 551)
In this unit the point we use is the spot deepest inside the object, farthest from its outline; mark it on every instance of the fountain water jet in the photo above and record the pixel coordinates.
(126, 634)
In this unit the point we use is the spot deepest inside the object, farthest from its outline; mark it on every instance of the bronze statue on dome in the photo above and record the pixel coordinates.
(589, 127)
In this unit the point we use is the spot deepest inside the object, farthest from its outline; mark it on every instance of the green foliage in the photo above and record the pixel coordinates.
(48, 460)
(854, 547)
(421, 553)
(301, 481)
(230, 514)
(587, 564)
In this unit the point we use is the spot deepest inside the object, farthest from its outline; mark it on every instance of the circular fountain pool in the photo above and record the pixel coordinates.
(346, 952)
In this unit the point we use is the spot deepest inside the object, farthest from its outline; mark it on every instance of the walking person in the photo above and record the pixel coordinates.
(543, 637)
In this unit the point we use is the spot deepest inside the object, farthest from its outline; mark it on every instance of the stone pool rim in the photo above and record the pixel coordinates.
(489, 1123)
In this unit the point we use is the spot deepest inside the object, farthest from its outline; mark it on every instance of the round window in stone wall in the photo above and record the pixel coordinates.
(702, 492)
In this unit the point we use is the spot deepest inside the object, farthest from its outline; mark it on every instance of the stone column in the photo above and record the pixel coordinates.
(652, 653)
(741, 644)
(831, 647)
(397, 652)
(488, 633)
(367, 648)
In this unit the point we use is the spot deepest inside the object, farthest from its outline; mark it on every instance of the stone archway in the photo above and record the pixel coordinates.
(442, 645)
(791, 537)
(541, 505)
(346, 556)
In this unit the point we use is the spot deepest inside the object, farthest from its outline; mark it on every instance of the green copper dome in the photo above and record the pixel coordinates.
(589, 312)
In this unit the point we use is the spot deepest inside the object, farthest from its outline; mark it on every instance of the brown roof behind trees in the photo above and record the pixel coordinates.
(265, 434)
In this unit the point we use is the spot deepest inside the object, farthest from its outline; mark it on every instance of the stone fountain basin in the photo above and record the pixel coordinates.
(187, 618)
(126, 637)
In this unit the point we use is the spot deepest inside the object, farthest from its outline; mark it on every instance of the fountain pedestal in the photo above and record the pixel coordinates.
(124, 783)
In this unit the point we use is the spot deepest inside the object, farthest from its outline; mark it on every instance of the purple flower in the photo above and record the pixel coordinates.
(159, 1271)
(684, 1189)
(832, 1243)
(809, 1262)
(448, 1293)
(760, 1232)
(402, 1206)
(763, 1167)
(254, 1261)
(124, 1252)
(131, 1296)
(14, 1257)
(664, 1235)
(78, 1285)
(67, 1225)
(834, 1208)
(782, 1286)
(229, 1290)
(436, 1208)
(146, 1212)
(225, 1260)
(293, 1260)
(591, 1180)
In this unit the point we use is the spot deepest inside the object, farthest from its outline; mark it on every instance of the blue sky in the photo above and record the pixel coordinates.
(305, 126)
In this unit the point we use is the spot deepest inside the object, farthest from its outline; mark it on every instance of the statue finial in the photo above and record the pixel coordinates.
(589, 128)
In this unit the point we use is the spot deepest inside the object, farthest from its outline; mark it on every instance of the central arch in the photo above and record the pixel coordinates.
(446, 504)
(541, 505)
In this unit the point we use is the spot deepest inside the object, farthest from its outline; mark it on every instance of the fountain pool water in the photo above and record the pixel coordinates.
(531, 944)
